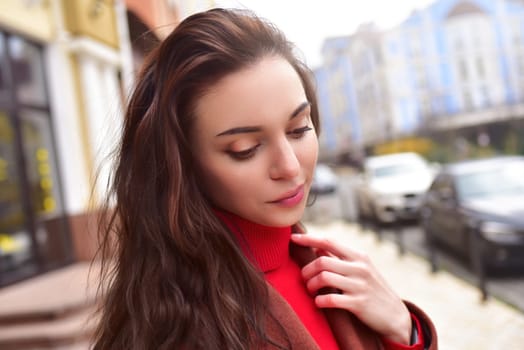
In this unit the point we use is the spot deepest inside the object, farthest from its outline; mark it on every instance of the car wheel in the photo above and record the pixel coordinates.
(375, 217)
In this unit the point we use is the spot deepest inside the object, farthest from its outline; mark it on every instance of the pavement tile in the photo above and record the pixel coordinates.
(68, 287)
(57, 305)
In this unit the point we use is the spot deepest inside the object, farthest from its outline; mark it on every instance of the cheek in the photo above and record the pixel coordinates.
(212, 181)
(308, 154)
(223, 182)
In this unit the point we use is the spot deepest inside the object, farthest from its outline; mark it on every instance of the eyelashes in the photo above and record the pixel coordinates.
(298, 133)
(250, 152)
(243, 155)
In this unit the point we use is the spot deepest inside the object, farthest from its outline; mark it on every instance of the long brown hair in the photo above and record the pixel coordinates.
(173, 275)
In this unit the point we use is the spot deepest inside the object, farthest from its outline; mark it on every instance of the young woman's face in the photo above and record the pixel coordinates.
(256, 145)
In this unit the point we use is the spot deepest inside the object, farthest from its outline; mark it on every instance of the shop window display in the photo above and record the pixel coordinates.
(33, 230)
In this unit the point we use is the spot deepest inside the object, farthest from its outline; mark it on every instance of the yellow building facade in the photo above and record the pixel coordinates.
(65, 70)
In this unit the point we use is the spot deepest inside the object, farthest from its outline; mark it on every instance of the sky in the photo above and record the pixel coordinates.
(307, 23)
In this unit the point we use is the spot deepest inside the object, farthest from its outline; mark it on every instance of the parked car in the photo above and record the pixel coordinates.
(479, 203)
(325, 181)
(392, 187)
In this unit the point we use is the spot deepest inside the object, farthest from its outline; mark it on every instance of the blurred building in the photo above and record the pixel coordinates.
(66, 69)
(336, 100)
(62, 80)
(456, 65)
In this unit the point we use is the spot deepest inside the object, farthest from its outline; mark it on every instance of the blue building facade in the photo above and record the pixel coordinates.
(442, 67)
(337, 101)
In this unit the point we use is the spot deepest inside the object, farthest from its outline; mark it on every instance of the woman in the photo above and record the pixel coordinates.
(213, 172)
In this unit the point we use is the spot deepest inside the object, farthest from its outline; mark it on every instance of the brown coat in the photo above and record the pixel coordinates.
(349, 331)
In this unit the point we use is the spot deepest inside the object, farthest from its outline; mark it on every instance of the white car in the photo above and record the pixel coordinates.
(392, 187)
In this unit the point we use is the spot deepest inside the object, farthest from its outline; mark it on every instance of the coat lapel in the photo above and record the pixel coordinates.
(295, 332)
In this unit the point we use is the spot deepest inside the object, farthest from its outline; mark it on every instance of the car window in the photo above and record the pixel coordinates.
(398, 169)
(502, 179)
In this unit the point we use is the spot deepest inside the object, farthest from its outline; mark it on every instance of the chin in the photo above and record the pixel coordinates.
(286, 218)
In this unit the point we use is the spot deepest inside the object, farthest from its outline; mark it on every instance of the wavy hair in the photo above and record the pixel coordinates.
(173, 275)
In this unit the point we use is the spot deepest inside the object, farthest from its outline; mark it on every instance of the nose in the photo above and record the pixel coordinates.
(284, 163)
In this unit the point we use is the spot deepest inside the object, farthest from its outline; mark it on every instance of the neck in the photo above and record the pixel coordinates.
(266, 247)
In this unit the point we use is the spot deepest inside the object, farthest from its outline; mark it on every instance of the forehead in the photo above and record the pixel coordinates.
(262, 93)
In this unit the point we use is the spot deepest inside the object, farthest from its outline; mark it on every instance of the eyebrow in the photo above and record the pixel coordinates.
(250, 129)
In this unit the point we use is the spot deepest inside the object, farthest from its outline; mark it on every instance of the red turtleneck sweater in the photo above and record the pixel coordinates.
(268, 248)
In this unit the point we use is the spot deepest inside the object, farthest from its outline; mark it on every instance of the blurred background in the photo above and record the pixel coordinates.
(422, 107)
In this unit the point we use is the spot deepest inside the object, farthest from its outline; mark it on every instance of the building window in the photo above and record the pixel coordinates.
(481, 70)
(517, 36)
(468, 100)
(425, 107)
(463, 70)
(520, 64)
(420, 77)
(415, 44)
(484, 96)
(34, 236)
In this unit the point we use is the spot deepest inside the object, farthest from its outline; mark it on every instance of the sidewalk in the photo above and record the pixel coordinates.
(462, 321)
(50, 311)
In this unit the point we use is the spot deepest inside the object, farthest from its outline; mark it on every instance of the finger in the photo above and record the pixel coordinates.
(326, 244)
(378, 316)
(328, 279)
(328, 263)
(339, 301)
(322, 252)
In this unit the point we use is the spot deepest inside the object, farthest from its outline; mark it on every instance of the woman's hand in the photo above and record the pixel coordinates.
(364, 292)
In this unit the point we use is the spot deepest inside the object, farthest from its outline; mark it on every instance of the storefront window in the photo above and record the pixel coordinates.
(15, 241)
(43, 185)
(3, 82)
(40, 162)
(34, 236)
(28, 72)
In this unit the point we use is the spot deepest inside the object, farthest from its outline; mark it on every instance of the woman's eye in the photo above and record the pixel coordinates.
(243, 155)
(298, 133)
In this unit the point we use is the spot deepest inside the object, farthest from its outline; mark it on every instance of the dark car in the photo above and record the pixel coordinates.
(478, 206)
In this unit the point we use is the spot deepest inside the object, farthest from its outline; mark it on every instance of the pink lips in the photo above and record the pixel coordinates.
(292, 198)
